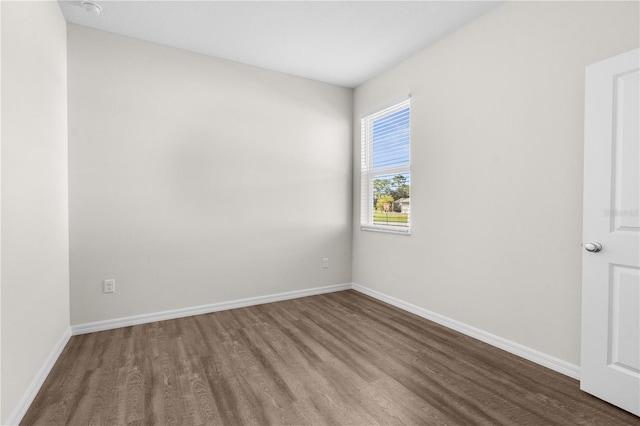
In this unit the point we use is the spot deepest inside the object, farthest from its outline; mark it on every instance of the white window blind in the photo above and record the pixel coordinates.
(386, 169)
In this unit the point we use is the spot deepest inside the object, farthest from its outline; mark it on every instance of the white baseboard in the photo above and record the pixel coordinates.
(522, 351)
(204, 309)
(31, 392)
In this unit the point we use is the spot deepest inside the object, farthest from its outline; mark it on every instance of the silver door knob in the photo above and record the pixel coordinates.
(593, 247)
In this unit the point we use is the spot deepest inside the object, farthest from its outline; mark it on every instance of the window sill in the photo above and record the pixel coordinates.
(386, 229)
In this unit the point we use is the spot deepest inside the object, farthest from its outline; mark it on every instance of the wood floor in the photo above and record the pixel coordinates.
(340, 359)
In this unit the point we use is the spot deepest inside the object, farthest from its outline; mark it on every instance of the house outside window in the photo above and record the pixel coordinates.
(386, 170)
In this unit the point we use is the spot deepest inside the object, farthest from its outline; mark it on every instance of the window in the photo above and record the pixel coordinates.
(386, 170)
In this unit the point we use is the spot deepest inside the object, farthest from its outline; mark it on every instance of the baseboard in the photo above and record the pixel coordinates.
(203, 309)
(31, 392)
(522, 351)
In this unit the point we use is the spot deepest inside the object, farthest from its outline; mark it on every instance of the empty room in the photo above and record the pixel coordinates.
(320, 212)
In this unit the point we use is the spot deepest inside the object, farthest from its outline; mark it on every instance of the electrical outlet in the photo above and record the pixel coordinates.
(109, 286)
(325, 262)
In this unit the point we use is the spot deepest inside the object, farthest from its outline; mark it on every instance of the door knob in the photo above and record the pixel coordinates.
(593, 247)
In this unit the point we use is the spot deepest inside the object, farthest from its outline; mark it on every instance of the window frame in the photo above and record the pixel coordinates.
(368, 174)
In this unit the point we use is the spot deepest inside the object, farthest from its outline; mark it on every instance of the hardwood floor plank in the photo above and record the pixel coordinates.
(335, 359)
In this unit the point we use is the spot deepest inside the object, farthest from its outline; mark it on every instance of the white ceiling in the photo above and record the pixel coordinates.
(338, 42)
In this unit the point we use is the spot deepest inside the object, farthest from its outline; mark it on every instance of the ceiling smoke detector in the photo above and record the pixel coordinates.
(92, 8)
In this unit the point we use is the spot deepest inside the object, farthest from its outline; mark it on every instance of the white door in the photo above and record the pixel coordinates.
(610, 365)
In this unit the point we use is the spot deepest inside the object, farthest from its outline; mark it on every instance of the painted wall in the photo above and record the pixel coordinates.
(195, 180)
(1, 416)
(496, 203)
(35, 238)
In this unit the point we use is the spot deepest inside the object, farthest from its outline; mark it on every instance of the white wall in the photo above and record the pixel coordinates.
(35, 241)
(195, 180)
(496, 203)
(1, 416)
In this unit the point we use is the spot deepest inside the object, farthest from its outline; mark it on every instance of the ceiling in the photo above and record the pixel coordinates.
(338, 42)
